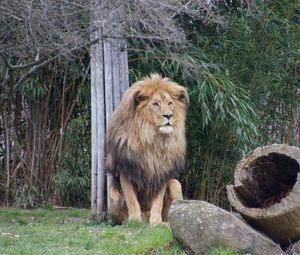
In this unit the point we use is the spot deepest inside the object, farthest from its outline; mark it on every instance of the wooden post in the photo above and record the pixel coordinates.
(116, 80)
(98, 128)
(109, 79)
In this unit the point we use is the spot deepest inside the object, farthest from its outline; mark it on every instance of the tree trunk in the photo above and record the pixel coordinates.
(7, 128)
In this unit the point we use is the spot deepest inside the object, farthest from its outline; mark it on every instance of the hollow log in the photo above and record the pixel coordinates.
(266, 191)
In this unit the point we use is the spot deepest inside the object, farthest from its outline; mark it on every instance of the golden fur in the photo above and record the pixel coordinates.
(146, 142)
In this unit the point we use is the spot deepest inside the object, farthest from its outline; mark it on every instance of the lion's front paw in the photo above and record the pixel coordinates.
(135, 216)
(155, 219)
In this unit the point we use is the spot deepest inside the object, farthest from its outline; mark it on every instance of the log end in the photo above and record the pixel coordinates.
(266, 190)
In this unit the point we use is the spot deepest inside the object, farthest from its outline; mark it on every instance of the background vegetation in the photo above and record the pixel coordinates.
(243, 80)
(244, 91)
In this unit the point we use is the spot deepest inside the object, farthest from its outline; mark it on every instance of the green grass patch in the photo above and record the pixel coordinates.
(72, 231)
(219, 248)
(50, 231)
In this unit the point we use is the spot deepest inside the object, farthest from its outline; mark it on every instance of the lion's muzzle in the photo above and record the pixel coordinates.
(167, 129)
(167, 126)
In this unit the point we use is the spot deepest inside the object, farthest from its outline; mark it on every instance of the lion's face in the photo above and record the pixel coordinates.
(161, 103)
(160, 110)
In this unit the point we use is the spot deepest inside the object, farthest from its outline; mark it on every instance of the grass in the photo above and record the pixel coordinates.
(45, 231)
(49, 231)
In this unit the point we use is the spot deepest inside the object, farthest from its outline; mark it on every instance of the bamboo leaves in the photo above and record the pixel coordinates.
(34, 91)
(223, 104)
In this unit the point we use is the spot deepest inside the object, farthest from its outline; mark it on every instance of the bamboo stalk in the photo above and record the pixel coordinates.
(7, 155)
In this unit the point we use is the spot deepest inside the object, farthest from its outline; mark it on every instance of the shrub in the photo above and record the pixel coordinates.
(72, 181)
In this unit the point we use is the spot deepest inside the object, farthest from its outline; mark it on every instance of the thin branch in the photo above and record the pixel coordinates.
(4, 11)
(24, 66)
(36, 67)
(4, 57)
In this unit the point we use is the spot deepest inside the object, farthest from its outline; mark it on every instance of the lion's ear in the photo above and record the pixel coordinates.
(183, 96)
(138, 97)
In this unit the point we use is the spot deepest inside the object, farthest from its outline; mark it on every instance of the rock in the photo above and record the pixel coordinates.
(198, 226)
(294, 249)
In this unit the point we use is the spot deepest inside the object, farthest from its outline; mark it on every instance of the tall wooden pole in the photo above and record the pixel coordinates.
(116, 80)
(98, 128)
(109, 79)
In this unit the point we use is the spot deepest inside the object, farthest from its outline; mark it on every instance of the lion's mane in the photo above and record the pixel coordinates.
(136, 149)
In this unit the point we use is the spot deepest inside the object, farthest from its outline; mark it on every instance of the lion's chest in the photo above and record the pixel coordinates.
(147, 167)
(153, 168)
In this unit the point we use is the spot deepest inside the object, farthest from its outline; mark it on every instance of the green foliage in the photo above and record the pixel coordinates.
(261, 51)
(26, 196)
(220, 122)
(72, 181)
(47, 206)
(242, 80)
(32, 90)
(220, 248)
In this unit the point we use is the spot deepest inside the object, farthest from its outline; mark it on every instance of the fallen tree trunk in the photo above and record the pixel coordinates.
(266, 191)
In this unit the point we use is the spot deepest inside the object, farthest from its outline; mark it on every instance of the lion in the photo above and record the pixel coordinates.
(146, 149)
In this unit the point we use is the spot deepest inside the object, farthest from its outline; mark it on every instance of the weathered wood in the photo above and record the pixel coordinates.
(109, 99)
(116, 80)
(109, 77)
(122, 78)
(266, 191)
(98, 129)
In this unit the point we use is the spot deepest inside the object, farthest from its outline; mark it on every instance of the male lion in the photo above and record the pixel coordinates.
(146, 147)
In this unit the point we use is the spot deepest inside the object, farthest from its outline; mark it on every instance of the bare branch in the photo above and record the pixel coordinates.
(5, 12)
(49, 60)
(50, 28)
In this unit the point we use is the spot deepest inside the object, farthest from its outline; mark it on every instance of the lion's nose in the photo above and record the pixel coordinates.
(168, 116)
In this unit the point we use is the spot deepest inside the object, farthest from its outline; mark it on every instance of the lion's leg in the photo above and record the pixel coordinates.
(173, 193)
(134, 209)
(156, 208)
(118, 211)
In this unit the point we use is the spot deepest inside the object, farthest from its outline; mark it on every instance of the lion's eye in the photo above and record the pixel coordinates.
(170, 103)
(156, 104)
